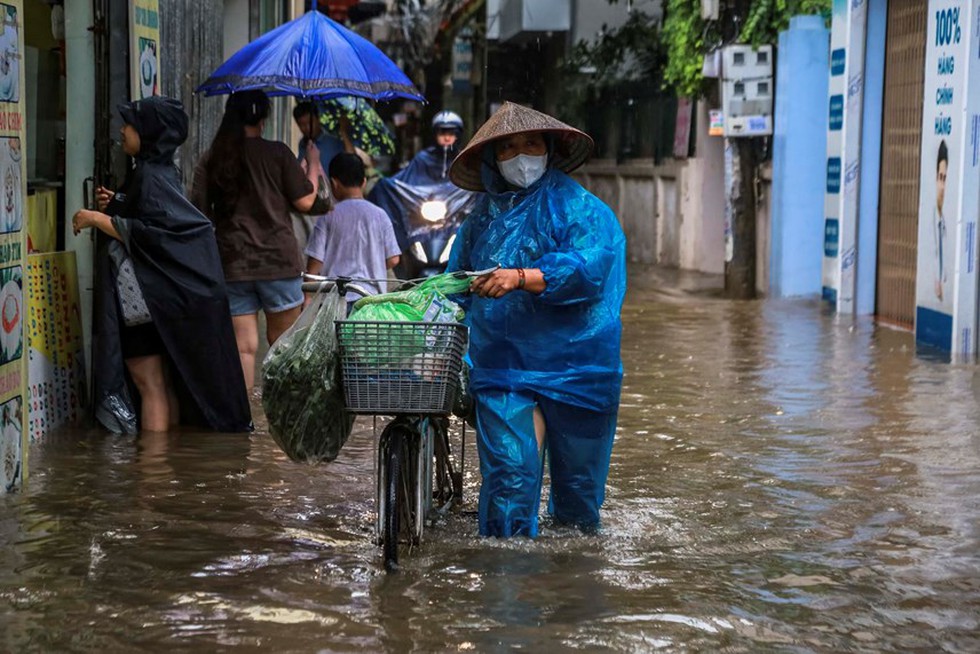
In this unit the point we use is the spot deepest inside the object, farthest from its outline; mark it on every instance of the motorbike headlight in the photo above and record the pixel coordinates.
(419, 252)
(434, 210)
(444, 257)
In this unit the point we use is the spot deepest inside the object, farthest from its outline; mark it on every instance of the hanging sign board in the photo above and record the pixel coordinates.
(946, 275)
(844, 108)
(144, 48)
(13, 181)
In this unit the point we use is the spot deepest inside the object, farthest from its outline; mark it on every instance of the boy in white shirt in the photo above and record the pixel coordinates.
(356, 239)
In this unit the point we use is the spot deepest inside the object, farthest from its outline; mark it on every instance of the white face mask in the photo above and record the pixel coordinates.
(524, 169)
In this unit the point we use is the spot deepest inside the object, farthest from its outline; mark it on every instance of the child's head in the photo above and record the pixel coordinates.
(346, 175)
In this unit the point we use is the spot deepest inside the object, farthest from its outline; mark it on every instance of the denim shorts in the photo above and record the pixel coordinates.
(270, 295)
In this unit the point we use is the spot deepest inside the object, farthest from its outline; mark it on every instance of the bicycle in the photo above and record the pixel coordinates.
(410, 371)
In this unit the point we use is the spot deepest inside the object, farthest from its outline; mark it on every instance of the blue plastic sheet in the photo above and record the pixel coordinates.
(559, 349)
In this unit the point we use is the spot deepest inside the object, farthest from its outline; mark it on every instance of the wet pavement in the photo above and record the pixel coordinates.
(783, 480)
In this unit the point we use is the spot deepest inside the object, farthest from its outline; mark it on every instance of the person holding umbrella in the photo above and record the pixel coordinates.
(544, 325)
(307, 118)
(248, 186)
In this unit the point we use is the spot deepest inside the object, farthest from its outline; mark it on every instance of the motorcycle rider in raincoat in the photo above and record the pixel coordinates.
(426, 239)
(545, 326)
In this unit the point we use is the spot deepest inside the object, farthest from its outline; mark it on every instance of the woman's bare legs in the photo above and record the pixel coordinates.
(539, 428)
(149, 375)
(277, 323)
(247, 337)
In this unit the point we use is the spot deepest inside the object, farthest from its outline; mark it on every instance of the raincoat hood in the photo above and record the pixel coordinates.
(162, 125)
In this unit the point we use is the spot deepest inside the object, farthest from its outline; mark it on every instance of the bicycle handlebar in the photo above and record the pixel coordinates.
(321, 284)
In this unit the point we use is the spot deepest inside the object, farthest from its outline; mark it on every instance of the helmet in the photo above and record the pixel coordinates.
(447, 120)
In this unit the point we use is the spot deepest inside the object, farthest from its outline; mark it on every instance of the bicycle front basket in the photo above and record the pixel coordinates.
(400, 367)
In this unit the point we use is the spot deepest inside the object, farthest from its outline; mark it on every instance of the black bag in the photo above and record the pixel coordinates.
(132, 304)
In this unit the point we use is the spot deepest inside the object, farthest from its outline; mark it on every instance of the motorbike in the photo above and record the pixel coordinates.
(426, 211)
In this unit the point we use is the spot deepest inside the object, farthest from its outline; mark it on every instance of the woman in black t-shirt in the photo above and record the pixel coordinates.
(248, 186)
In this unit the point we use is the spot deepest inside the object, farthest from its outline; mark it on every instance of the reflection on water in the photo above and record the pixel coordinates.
(784, 479)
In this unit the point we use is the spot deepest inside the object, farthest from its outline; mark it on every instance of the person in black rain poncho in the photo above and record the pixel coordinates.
(183, 353)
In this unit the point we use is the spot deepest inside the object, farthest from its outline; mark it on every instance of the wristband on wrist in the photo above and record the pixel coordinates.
(522, 280)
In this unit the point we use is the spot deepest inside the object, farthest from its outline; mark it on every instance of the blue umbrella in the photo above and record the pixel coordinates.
(312, 57)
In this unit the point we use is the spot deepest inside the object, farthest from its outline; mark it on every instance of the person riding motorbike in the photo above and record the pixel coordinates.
(424, 206)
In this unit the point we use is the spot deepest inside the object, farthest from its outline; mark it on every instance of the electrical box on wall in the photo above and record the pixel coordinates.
(747, 90)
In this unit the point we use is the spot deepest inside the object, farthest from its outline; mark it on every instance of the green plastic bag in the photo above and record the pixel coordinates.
(302, 392)
(427, 302)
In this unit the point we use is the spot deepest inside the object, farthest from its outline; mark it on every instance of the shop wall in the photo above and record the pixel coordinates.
(13, 248)
(192, 37)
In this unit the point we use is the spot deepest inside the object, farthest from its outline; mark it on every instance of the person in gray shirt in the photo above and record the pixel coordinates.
(356, 238)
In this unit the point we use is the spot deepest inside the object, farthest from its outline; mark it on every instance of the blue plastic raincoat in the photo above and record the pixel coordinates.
(558, 350)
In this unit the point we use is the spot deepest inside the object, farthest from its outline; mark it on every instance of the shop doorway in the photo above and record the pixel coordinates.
(45, 82)
(898, 214)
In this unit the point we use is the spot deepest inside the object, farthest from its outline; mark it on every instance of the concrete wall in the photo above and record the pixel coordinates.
(799, 162)
(674, 213)
(763, 230)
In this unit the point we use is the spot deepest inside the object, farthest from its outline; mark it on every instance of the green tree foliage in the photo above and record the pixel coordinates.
(629, 52)
(688, 37)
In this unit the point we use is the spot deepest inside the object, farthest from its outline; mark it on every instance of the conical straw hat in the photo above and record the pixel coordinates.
(573, 146)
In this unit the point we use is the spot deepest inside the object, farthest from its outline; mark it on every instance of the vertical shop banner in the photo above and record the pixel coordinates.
(13, 176)
(144, 48)
(845, 107)
(56, 350)
(462, 62)
(946, 284)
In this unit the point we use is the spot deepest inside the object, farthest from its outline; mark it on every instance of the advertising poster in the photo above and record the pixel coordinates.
(13, 191)
(56, 351)
(845, 106)
(946, 291)
(144, 35)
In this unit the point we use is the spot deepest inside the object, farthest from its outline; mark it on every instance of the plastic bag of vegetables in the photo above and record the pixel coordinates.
(302, 393)
(425, 302)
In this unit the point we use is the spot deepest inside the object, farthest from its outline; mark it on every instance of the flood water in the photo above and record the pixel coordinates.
(783, 480)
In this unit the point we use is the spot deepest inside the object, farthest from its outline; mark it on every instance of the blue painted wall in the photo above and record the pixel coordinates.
(874, 91)
(799, 158)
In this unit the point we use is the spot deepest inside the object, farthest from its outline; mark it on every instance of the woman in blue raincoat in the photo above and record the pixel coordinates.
(545, 326)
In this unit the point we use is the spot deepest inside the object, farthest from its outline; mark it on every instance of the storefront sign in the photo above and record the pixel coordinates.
(846, 102)
(144, 48)
(13, 182)
(716, 123)
(463, 62)
(56, 354)
(946, 280)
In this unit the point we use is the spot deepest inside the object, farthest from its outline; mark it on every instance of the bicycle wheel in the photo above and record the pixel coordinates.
(395, 500)
(444, 488)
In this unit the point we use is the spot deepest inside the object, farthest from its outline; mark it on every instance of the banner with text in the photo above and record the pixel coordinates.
(144, 48)
(946, 284)
(846, 102)
(13, 174)
(56, 350)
